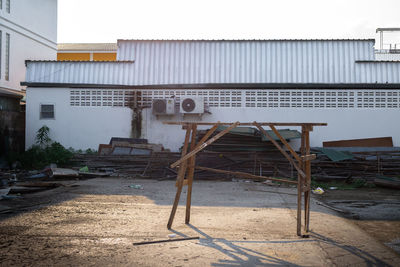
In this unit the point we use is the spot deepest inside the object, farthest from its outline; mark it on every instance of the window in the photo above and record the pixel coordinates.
(46, 111)
(8, 6)
(7, 68)
(1, 43)
(1, 4)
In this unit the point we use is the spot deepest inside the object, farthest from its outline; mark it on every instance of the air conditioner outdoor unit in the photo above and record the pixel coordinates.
(192, 105)
(163, 106)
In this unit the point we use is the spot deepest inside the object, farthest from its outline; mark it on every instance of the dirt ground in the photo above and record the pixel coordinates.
(375, 210)
(96, 221)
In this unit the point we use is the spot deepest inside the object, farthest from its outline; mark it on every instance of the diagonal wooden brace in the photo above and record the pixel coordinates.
(201, 146)
(294, 154)
(264, 132)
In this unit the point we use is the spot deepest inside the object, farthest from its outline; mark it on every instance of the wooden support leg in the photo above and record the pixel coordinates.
(181, 176)
(192, 162)
(299, 186)
(307, 170)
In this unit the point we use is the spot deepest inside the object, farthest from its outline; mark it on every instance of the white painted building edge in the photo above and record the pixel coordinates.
(33, 36)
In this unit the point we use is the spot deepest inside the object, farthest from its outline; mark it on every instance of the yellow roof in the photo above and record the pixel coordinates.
(87, 47)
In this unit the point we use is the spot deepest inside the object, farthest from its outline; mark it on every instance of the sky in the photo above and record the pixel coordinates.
(89, 21)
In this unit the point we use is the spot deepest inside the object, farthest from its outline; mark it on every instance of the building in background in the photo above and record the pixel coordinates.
(335, 81)
(87, 52)
(28, 31)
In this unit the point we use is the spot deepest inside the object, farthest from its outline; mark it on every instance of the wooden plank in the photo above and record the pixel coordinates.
(249, 123)
(203, 145)
(294, 154)
(192, 162)
(164, 241)
(181, 176)
(208, 134)
(308, 157)
(264, 132)
(246, 175)
(365, 142)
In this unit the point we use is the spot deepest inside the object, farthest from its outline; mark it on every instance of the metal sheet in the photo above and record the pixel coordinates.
(189, 62)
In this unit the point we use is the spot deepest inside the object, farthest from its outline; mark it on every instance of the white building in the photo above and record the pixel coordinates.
(28, 31)
(333, 81)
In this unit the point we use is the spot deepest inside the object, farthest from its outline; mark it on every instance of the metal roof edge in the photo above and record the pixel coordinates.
(377, 61)
(78, 61)
(223, 86)
(241, 40)
(10, 94)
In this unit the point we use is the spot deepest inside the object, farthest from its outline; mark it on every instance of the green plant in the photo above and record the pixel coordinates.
(37, 157)
(90, 151)
(42, 137)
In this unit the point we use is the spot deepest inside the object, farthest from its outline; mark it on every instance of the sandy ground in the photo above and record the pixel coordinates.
(96, 222)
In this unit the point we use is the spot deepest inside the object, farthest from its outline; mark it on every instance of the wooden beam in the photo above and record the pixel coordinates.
(307, 184)
(208, 134)
(264, 132)
(203, 145)
(246, 175)
(192, 162)
(181, 176)
(294, 154)
(249, 123)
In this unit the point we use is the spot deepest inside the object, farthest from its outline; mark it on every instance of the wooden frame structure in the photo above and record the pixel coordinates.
(302, 163)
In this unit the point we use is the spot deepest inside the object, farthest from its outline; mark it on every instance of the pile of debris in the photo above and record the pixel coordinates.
(129, 146)
(244, 150)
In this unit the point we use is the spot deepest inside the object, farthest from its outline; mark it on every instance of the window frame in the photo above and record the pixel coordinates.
(7, 58)
(41, 112)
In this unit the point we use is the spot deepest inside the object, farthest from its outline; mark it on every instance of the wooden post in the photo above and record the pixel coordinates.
(181, 176)
(192, 162)
(300, 184)
(307, 182)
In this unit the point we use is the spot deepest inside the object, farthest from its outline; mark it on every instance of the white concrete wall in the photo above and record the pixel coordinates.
(87, 127)
(32, 26)
(342, 123)
(77, 127)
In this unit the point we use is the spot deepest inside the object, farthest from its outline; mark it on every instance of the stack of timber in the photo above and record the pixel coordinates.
(157, 164)
(244, 149)
(366, 165)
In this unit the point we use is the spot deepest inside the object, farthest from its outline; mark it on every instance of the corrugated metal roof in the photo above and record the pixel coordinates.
(245, 61)
(228, 62)
(87, 47)
(11, 93)
(111, 61)
(90, 72)
(241, 40)
(336, 155)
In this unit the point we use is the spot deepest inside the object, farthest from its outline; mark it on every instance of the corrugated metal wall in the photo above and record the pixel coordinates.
(78, 72)
(163, 62)
(186, 62)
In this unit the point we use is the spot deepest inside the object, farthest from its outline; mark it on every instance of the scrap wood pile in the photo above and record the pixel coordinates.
(245, 150)
(157, 164)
